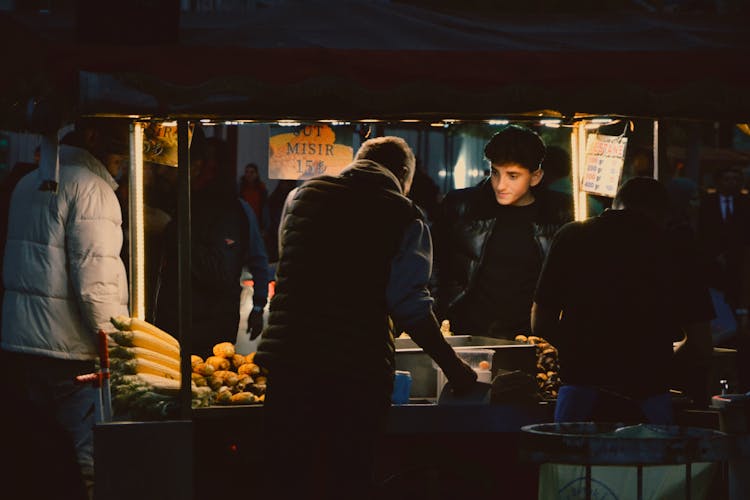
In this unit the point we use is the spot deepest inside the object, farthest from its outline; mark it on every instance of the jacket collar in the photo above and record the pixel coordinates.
(73, 156)
(373, 172)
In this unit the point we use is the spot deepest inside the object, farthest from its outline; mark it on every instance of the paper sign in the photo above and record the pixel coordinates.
(160, 143)
(308, 151)
(605, 157)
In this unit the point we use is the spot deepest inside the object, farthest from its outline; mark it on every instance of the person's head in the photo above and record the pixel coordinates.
(556, 164)
(107, 139)
(729, 180)
(515, 154)
(251, 172)
(646, 196)
(210, 166)
(394, 154)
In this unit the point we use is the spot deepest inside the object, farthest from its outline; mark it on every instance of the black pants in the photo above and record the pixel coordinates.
(321, 438)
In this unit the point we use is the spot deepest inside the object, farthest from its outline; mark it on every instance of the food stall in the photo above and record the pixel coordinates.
(438, 74)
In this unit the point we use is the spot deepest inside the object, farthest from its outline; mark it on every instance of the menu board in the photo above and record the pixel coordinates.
(305, 151)
(605, 157)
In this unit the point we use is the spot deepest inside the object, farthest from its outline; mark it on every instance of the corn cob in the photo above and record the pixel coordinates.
(144, 340)
(160, 384)
(135, 324)
(157, 357)
(119, 351)
(144, 366)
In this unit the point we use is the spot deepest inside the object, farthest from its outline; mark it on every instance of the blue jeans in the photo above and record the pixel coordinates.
(577, 403)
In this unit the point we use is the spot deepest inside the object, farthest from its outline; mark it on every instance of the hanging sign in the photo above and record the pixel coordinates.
(160, 142)
(308, 151)
(605, 156)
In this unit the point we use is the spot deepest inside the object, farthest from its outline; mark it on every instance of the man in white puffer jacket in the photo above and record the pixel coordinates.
(64, 279)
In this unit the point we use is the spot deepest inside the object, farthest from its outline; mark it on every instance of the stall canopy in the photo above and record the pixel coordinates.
(357, 60)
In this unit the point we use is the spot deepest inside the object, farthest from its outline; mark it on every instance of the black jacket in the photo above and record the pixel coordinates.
(465, 221)
(329, 312)
(220, 249)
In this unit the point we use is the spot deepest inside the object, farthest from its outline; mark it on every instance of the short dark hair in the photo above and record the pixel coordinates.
(646, 196)
(113, 133)
(516, 144)
(556, 163)
(391, 152)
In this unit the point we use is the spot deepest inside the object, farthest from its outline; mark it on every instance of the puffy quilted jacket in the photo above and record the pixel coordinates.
(465, 221)
(62, 271)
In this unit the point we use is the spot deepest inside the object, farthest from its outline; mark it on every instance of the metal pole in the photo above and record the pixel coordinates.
(105, 394)
(656, 149)
(640, 482)
(184, 301)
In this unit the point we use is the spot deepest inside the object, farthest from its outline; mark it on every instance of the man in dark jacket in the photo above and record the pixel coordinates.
(354, 265)
(615, 346)
(490, 240)
(724, 233)
(225, 238)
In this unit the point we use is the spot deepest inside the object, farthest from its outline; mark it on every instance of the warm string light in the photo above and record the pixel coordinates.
(578, 157)
(137, 230)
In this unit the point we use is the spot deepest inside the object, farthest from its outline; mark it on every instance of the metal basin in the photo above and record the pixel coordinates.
(509, 355)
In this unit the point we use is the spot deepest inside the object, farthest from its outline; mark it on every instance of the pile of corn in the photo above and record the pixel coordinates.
(145, 372)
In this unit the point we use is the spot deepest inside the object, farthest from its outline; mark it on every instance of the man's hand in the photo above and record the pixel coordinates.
(462, 377)
(255, 322)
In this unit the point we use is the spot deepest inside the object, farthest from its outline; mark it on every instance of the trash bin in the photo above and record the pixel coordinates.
(619, 461)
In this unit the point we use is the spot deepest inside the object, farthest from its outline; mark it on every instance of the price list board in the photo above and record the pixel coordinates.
(605, 157)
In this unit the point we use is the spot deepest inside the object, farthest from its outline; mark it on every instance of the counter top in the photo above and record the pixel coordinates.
(422, 417)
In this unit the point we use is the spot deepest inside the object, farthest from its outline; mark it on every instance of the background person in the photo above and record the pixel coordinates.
(225, 240)
(253, 190)
(724, 233)
(321, 444)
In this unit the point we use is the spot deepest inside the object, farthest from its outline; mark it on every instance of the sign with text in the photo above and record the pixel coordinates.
(307, 151)
(160, 143)
(605, 156)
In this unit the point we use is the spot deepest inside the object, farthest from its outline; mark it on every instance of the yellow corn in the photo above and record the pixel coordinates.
(133, 324)
(157, 357)
(144, 340)
(160, 383)
(150, 367)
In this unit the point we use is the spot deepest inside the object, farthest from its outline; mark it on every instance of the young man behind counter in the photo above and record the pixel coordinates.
(490, 239)
(321, 433)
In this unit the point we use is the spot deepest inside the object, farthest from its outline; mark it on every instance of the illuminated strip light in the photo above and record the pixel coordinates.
(656, 149)
(136, 229)
(288, 123)
(498, 122)
(578, 157)
(554, 123)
